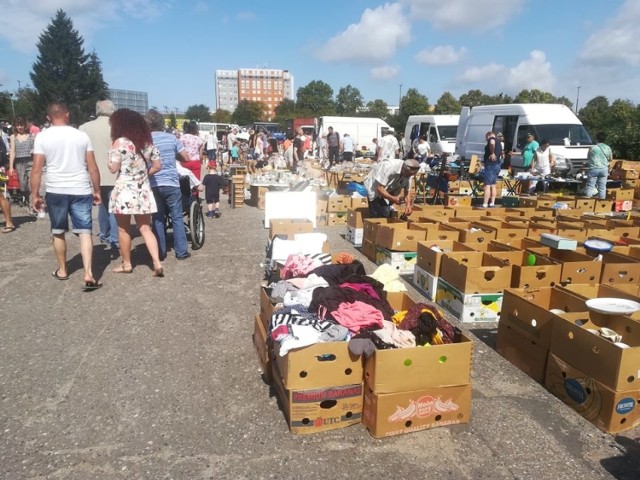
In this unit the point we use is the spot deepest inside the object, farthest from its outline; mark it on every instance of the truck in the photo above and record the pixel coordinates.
(271, 128)
(568, 140)
(362, 129)
(439, 130)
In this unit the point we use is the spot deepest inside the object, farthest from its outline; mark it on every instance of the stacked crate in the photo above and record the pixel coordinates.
(237, 191)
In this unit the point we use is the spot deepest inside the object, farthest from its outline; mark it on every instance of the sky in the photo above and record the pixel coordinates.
(171, 49)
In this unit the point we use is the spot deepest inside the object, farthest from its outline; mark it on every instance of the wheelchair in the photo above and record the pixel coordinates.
(192, 215)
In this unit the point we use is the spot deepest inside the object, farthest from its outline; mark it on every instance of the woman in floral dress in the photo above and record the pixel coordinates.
(194, 147)
(133, 157)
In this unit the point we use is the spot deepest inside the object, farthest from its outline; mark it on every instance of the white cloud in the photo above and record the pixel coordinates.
(475, 14)
(534, 72)
(376, 37)
(440, 55)
(384, 73)
(480, 74)
(617, 42)
(87, 16)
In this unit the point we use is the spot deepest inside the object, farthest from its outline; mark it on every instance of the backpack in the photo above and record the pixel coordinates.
(4, 154)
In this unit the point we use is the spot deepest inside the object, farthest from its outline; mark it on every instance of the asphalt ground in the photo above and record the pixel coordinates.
(156, 378)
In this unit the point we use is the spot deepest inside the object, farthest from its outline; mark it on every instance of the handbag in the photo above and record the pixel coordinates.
(13, 182)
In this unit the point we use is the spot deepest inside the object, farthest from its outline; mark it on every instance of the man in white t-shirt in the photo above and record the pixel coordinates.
(388, 146)
(72, 186)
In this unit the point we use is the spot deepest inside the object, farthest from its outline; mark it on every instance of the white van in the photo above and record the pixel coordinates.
(568, 139)
(362, 129)
(440, 131)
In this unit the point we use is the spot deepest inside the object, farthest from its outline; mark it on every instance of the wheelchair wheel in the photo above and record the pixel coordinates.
(196, 225)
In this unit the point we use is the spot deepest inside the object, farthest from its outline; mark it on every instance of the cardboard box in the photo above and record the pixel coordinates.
(436, 231)
(577, 267)
(266, 307)
(399, 237)
(602, 206)
(359, 202)
(455, 200)
(257, 196)
(475, 272)
(407, 369)
(522, 351)
(261, 347)
(620, 269)
(392, 414)
(526, 243)
(510, 201)
(473, 232)
(430, 258)
(597, 357)
(619, 194)
(371, 226)
(608, 410)
(319, 409)
(318, 365)
(289, 227)
(355, 235)
(533, 311)
(403, 262)
(338, 203)
(368, 249)
(545, 272)
(479, 307)
(356, 217)
(321, 206)
(336, 219)
(603, 291)
(425, 283)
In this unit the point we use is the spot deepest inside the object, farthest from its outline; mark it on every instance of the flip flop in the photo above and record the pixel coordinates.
(89, 286)
(57, 275)
(8, 229)
(121, 269)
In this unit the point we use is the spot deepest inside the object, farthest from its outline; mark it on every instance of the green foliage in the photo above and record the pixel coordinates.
(315, 100)
(221, 116)
(348, 101)
(447, 104)
(199, 113)
(377, 109)
(285, 110)
(248, 111)
(64, 72)
(413, 103)
(173, 121)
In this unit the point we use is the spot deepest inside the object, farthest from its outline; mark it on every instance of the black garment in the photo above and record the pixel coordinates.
(497, 150)
(298, 144)
(335, 274)
(332, 297)
(411, 321)
(212, 183)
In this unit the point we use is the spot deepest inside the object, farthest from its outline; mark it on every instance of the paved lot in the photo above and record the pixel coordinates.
(156, 378)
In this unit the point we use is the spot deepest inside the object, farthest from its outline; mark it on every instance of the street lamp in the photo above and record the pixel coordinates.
(12, 109)
(400, 98)
(577, 99)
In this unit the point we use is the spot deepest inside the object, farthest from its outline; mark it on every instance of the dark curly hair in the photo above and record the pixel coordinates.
(129, 124)
(190, 127)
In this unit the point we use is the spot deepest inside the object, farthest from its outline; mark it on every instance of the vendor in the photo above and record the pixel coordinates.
(389, 183)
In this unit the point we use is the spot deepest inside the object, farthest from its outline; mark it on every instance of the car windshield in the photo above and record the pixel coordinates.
(556, 134)
(448, 132)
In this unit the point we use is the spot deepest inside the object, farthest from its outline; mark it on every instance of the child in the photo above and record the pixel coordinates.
(212, 183)
(235, 152)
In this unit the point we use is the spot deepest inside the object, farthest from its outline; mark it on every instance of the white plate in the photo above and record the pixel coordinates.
(613, 306)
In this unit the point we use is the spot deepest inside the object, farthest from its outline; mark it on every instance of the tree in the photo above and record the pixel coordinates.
(535, 96)
(447, 104)
(221, 116)
(413, 103)
(377, 109)
(63, 72)
(594, 115)
(248, 111)
(285, 110)
(315, 100)
(472, 98)
(173, 121)
(198, 112)
(348, 101)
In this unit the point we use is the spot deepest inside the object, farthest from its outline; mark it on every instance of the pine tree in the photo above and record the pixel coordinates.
(64, 72)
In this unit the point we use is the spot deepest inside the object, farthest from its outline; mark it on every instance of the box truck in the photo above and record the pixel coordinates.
(568, 139)
(439, 130)
(363, 130)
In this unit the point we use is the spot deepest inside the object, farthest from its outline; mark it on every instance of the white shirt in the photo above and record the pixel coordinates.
(230, 139)
(543, 164)
(185, 172)
(423, 148)
(347, 144)
(388, 147)
(389, 175)
(65, 152)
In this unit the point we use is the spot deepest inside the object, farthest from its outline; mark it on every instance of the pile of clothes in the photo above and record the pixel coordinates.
(317, 301)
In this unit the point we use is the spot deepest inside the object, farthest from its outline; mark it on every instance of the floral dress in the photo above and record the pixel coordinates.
(131, 194)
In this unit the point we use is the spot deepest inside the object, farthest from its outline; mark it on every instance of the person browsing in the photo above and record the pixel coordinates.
(389, 183)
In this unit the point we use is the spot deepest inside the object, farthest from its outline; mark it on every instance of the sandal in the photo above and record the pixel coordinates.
(57, 275)
(8, 229)
(158, 272)
(89, 286)
(122, 269)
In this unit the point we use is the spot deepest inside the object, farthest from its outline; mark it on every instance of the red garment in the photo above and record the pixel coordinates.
(357, 315)
(362, 287)
(194, 166)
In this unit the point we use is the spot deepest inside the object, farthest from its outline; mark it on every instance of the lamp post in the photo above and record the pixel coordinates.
(400, 98)
(577, 99)
(13, 111)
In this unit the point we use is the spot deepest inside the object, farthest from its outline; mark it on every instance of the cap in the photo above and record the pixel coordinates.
(411, 163)
(500, 134)
(529, 134)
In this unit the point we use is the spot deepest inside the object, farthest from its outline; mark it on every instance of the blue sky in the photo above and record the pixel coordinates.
(171, 49)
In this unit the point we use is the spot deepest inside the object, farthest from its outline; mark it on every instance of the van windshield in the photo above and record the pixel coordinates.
(448, 132)
(556, 134)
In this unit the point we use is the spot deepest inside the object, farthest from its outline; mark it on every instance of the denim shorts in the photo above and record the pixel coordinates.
(62, 206)
(491, 172)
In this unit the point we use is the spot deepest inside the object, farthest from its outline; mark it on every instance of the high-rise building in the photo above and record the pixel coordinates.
(136, 101)
(254, 84)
